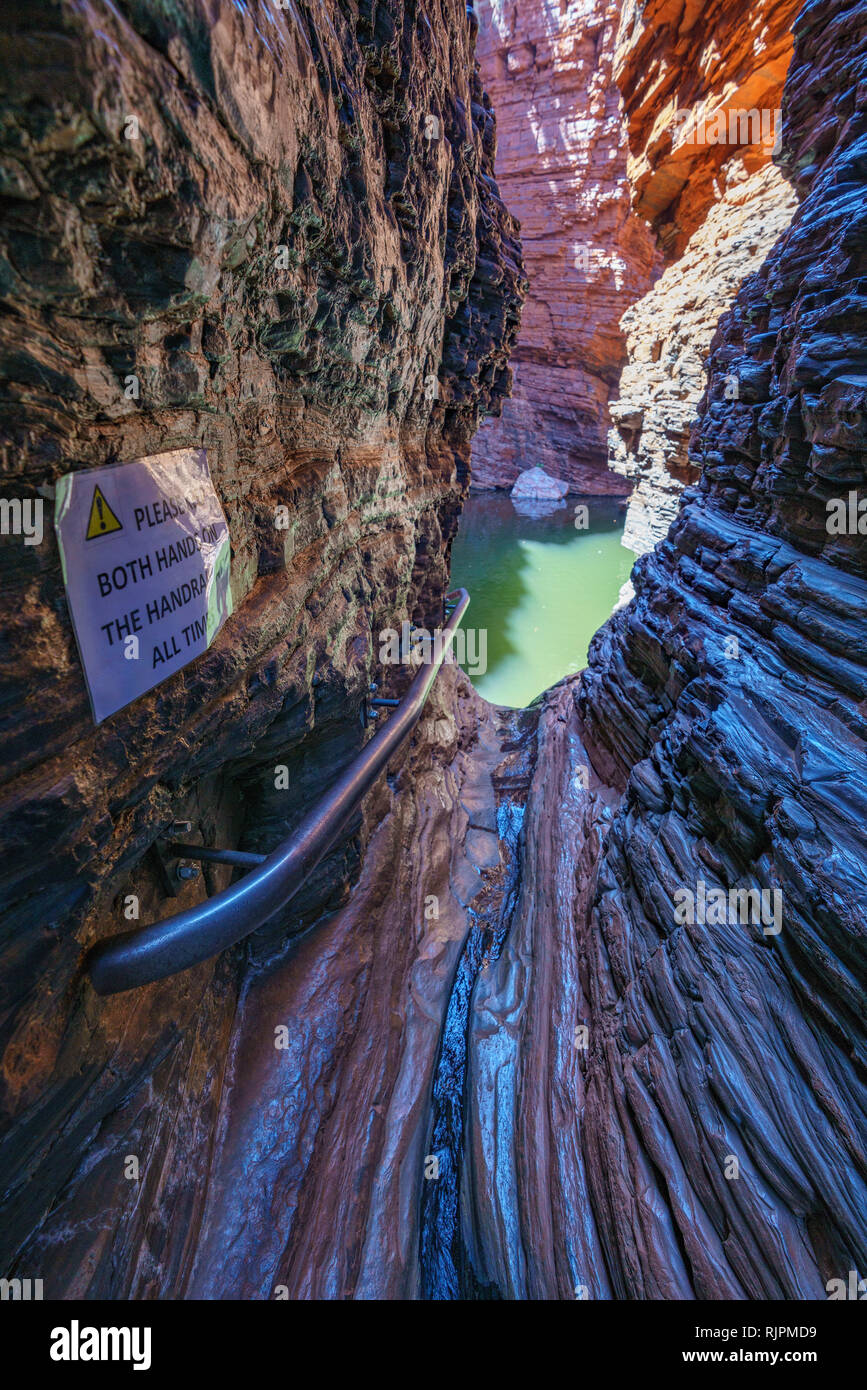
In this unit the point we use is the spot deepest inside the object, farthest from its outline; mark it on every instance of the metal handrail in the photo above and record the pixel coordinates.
(164, 948)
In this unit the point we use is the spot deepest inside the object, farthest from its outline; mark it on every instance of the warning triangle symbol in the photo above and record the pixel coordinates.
(102, 518)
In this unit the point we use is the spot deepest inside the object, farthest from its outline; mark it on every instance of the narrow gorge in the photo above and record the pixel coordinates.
(570, 1007)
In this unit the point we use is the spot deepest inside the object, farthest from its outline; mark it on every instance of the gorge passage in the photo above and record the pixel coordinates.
(485, 969)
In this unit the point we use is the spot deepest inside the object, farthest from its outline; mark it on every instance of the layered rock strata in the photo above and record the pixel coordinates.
(305, 1180)
(668, 334)
(727, 701)
(655, 1107)
(621, 1104)
(665, 1103)
(635, 140)
(689, 74)
(702, 91)
(233, 227)
(561, 165)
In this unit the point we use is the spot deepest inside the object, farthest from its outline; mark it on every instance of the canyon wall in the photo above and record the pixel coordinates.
(665, 1103)
(620, 1104)
(561, 165)
(701, 91)
(614, 187)
(668, 334)
(631, 1103)
(728, 700)
(246, 212)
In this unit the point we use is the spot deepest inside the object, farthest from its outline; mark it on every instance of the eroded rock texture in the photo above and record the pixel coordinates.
(728, 700)
(659, 1109)
(702, 89)
(672, 57)
(506, 990)
(561, 164)
(239, 207)
(612, 155)
(668, 334)
(304, 1179)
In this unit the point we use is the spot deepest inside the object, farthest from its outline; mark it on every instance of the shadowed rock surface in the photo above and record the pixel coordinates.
(239, 207)
(668, 334)
(728, 701)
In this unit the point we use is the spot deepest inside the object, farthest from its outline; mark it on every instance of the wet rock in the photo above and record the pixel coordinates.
(621, 1102)
(726, 702)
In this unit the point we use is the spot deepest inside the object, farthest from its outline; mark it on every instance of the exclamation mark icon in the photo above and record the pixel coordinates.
(102, 520)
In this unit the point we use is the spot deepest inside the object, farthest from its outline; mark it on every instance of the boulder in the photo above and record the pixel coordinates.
(535, 485)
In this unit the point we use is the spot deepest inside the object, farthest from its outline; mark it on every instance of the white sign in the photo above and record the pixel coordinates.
(146, 557)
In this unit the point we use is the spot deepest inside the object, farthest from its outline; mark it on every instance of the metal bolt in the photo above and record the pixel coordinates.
(186, 871)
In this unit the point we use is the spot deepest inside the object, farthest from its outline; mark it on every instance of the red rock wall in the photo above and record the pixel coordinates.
(717, 208)
(673, 56)
(306, 380)
(561, 167)
(595, 1166)
(591, 155)
(673, 1109)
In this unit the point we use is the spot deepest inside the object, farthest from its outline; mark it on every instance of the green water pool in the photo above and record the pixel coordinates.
(540, 589)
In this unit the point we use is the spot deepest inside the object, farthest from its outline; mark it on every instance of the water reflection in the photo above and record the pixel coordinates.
(540, 587)
(538, 506)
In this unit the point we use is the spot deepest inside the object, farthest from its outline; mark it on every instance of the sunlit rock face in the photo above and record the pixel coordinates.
(561, 165)
(728, 702)
(672, 57)
(612, 154)
(668, 334)
(282, 226)
(702, 91)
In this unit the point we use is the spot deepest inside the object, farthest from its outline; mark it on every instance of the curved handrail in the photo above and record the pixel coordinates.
(151, 953)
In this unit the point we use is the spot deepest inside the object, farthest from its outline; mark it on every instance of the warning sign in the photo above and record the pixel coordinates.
(146, 558)
(102, 518)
